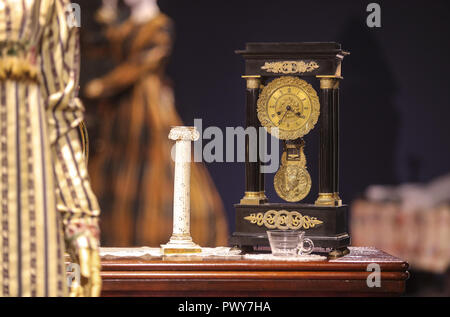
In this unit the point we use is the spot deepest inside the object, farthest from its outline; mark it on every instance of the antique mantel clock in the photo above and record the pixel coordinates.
(280, 99)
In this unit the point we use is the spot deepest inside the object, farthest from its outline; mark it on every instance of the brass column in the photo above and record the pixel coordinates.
(254, 179)
(329, 142)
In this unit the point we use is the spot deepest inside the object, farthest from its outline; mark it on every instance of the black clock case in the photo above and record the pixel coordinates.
(328, 56)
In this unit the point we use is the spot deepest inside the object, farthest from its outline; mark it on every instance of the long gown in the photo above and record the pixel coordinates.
(132, 170)
(44, 185)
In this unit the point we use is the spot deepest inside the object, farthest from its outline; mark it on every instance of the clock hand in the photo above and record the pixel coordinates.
(285, 113)
(288, 108)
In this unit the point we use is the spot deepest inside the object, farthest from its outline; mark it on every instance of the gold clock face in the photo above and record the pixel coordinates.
(289, 104)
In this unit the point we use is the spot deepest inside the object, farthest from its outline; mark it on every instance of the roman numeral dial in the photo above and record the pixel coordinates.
(289, 104)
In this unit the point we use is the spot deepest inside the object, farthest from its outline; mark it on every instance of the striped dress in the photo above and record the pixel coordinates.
(44, 184)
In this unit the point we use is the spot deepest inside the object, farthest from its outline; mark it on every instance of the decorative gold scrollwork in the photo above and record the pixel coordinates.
(289, 67)
(283, 220)
(269, 219)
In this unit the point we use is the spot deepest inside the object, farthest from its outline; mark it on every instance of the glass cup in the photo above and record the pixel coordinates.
(289, 243)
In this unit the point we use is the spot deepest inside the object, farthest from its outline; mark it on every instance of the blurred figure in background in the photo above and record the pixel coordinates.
(132, 172)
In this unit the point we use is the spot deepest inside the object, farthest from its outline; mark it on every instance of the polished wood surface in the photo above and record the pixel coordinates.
(220, 276)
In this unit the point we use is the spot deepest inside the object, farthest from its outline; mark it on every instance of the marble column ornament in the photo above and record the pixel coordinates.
(181, 241)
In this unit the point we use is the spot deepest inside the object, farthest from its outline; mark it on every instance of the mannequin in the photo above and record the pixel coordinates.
(132, 170)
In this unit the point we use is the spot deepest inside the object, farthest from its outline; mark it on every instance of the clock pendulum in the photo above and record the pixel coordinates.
(292, 181)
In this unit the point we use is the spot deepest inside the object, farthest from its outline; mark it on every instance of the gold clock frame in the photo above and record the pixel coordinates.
(276, 84)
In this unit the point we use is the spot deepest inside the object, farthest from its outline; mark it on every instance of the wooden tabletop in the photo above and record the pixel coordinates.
(236, 276)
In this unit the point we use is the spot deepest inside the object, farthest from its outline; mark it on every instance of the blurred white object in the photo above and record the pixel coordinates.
(411, 221)
(413, 196)
(107, 13)
(143, 11)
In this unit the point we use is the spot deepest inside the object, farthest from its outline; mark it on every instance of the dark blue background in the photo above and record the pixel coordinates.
(394, 99)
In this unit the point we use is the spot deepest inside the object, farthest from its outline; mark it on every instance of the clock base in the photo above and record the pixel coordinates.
(327, 226)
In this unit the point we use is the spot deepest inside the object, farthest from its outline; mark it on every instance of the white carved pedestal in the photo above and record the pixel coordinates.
(181, 241)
